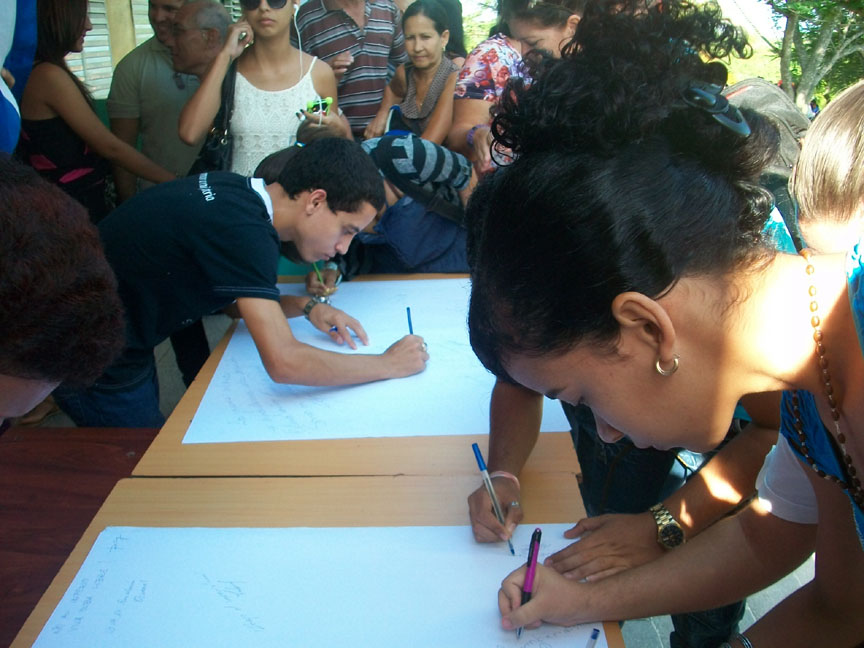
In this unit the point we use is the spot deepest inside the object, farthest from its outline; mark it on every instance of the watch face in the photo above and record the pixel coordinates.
(671, 535)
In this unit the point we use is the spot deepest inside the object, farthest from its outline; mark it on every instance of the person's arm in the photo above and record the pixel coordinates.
(292, 362)
(611, 543)
(614, 542)
(126, 130)
(394, 93)
(324, 82)
(732, 559)
(454, 169)
(441, 118)
(468, 113)
(197, 115)
(514, 425)
(827, 610)
(51, 86)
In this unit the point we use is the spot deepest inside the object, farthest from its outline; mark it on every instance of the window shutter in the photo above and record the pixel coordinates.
(233, 7)
(140, 20)
(93, 65)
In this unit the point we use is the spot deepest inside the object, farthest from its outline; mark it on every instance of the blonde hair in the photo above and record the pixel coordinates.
(828, 179)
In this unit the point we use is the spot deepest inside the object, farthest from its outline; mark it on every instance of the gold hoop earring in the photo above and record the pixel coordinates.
(667, 372)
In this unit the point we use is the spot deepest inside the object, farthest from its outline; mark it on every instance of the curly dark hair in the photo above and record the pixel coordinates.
(617, 184)
(60, 316)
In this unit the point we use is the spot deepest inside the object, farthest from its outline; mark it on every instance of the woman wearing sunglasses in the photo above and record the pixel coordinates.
(275, 81)
(634, 193)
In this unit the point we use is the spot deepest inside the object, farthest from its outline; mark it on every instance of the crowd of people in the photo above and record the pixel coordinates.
(609, 202)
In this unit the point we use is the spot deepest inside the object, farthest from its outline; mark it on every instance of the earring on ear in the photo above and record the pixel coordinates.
(667, 372)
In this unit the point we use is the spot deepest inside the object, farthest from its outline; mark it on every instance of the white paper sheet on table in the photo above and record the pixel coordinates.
(451, 396)
(390, 586)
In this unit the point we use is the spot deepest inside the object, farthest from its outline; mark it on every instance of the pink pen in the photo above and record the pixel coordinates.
(528, 586)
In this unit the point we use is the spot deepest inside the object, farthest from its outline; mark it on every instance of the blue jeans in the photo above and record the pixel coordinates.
(410, 238)
(127, 395)
(621, 478)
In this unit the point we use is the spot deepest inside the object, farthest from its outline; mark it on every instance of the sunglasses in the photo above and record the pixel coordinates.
(252, 5)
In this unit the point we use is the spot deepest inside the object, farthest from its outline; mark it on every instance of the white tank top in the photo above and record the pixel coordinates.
(264, 121)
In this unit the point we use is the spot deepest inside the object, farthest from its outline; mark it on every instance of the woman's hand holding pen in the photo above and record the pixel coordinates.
(325, 288)
(608, 544)
(338, 325)
(406, 357)
(553, 600)
(484, 524)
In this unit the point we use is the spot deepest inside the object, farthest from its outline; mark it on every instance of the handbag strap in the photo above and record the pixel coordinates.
(222, 121)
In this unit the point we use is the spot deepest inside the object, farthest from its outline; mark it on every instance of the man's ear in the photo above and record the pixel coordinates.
(316, 199)
(645, 321)
(211, 38)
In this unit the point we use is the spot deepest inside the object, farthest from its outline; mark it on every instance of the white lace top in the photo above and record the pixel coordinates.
(264, 121)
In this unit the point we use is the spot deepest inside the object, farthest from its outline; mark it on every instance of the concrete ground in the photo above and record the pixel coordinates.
(642, 633)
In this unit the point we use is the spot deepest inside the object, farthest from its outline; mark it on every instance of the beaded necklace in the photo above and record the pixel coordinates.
(853, 485)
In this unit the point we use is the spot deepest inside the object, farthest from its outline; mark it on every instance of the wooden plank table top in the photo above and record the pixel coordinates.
(168, 456)
(52, 483)
(288, 502)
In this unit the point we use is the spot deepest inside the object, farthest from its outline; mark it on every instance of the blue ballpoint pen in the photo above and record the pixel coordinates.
(488, 483)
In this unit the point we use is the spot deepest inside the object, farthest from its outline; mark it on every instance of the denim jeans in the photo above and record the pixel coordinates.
(621, 478)
(130, 402)
(410, 238)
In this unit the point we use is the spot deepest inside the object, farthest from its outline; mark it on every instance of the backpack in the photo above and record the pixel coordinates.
(771, 102)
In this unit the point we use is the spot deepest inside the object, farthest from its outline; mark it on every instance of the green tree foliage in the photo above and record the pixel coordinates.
(477, 22)
(822, 48)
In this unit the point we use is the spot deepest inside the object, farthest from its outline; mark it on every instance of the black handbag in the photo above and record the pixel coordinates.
(216, 153)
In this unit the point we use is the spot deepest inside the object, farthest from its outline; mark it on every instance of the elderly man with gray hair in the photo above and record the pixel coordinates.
(199, 31)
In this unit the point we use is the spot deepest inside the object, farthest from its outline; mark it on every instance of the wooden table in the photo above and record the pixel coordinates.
(286, 502)
(168, 456)
(52, 483)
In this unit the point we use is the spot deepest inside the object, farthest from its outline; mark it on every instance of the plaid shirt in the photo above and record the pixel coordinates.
(378, 49)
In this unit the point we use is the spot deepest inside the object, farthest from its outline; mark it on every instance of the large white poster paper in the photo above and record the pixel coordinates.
(451, 396)
(257, 588)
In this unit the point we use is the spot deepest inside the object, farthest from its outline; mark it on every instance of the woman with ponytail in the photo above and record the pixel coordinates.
(634, 194)
(61, 135)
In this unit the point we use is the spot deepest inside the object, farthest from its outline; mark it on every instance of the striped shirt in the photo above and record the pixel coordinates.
(378, 49)
(427, 165)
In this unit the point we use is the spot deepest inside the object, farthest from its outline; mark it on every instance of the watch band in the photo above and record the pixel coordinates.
(669, 532)
(312, 303)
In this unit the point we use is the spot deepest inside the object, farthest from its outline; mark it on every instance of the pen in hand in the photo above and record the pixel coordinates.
(333, 329)
(528, 586)
(327, 291)
(410, 325)
(489, 489)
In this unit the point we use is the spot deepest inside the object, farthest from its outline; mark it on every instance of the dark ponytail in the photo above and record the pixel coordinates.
(618, 184)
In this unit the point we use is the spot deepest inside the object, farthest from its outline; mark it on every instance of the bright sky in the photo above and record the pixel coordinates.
(752, 15)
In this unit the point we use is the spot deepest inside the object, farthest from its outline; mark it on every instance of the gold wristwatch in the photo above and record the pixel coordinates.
(669, 532)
